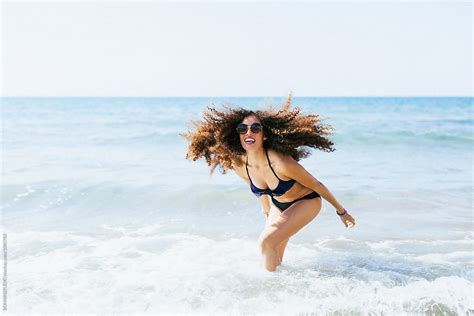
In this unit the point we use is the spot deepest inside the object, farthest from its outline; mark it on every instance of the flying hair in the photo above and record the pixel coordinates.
(287, 130)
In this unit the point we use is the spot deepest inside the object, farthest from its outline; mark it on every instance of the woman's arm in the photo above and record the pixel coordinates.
(292, 169)
(265, 204)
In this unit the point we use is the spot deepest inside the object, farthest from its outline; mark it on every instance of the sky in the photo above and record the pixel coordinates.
(258, 48)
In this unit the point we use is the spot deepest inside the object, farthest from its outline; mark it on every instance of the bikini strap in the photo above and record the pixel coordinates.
(266, 152)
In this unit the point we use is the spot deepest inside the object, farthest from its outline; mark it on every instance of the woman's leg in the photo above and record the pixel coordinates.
(281, 249)
(283, 226)
(273, 215)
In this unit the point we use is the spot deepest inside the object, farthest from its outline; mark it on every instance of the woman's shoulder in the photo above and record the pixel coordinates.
(280, 162)
(239, 169)
(278, 157)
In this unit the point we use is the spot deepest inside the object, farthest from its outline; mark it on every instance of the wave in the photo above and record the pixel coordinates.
(151, 270)
(404, 138)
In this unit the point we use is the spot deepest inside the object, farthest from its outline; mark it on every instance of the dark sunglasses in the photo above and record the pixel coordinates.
(254, 128)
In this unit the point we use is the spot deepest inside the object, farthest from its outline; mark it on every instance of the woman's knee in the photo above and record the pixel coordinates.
(266, 242)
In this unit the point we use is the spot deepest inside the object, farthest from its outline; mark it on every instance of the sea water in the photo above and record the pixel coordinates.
(103, 214)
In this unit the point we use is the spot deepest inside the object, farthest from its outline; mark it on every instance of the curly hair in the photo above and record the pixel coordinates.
(217, 140)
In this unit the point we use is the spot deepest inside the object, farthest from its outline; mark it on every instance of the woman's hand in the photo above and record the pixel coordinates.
(347, 219)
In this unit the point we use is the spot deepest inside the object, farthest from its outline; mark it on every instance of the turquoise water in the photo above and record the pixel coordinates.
(96, 194)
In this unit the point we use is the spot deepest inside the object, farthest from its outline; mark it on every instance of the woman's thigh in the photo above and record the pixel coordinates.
(273, 215)
(281, 226)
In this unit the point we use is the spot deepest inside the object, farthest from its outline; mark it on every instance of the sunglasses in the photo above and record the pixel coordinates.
(254, 128)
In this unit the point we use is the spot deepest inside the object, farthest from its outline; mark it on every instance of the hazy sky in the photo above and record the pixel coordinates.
(236, 49)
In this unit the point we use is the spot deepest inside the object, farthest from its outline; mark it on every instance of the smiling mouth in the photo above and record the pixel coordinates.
(249, 141)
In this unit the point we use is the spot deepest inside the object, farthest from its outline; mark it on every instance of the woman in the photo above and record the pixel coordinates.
(262, 148)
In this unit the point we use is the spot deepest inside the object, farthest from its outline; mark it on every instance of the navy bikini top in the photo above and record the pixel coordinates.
(281, 188)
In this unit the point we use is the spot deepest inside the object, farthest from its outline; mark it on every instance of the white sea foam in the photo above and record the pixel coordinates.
(146, 270)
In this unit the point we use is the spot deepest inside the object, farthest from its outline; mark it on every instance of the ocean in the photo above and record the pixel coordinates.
(103, 214)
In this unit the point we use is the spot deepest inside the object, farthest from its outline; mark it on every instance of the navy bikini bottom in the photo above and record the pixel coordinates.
(284, 205)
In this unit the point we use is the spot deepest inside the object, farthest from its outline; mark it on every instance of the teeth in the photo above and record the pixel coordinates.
(249, 140)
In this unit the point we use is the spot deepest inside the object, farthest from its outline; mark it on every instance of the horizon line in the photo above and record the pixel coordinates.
(229, 96)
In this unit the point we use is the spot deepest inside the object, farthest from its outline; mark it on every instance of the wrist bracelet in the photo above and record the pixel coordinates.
(345, 212)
